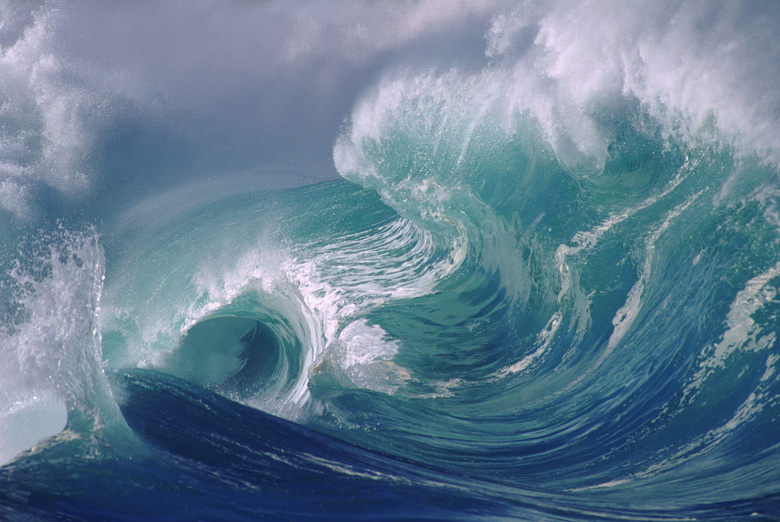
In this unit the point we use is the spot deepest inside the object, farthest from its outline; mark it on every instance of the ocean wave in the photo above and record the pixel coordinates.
(546, 286)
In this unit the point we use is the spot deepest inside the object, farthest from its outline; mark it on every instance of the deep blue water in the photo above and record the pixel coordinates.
(542, 286)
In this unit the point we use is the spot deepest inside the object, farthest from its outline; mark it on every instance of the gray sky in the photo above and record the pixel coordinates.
(99, 94)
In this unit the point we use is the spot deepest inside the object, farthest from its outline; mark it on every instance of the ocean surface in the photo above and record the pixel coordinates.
(437, 261)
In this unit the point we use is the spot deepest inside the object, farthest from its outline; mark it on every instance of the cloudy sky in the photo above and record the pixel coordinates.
(105, 90)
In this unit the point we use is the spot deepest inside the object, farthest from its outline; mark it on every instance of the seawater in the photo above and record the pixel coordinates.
(544, 288)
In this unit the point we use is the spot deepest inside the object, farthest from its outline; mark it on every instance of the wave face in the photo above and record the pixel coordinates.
(544, 284)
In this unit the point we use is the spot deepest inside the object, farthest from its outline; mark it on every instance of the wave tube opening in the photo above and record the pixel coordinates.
(235, 355)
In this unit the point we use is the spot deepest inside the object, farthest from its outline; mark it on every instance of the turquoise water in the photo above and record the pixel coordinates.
(504, 307)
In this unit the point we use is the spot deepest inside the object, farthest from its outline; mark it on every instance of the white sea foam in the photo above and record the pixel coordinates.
(543, 340)
(346, 280)
(53, 360)
(627, 313)
(48, 120)
(690, 64)
(741, 330)
(700, 69)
